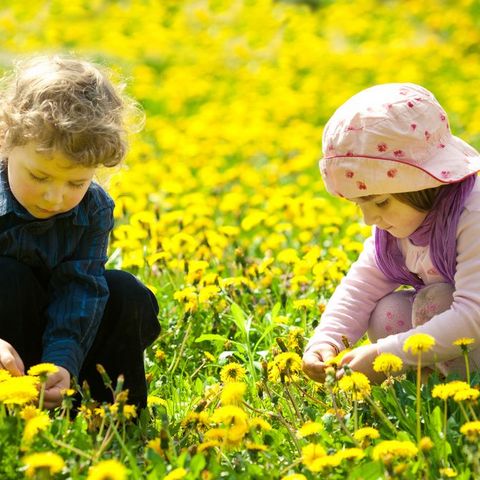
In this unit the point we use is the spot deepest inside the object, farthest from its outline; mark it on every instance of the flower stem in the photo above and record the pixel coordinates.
(419, 396)
(379, 412)
(467, 365)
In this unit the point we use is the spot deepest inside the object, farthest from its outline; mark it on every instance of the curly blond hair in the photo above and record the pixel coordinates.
(67, 104)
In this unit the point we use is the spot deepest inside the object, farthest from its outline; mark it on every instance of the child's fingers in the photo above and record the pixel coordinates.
(314, 366)
(347, 358)
(53, 397)
(12, 362)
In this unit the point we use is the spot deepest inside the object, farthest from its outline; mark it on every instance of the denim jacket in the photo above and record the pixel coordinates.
(70, 249)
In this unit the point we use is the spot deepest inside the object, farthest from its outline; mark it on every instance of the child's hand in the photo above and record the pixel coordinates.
(361, 359)
(314, 360)
(56, 383)
(10, 360)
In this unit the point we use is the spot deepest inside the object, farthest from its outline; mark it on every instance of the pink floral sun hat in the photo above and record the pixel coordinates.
(392, 138)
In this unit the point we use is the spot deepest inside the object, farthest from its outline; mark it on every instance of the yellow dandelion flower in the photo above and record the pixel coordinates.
(207, 445)
(365, 433)
(256, 447)
(155, 445)
(30, 411)
(209, 356)
(4, 375)
(260, 423)
(426, 444)
(46, 461)
(471, 430)
(335, 361)
(215, 434)
(320, 464)
(349, 454)
(356, 382)
(418, 343)
(42, 369)
(232, 372)
(176, 474)
(387, 450)
(191, 419)
(303, 304)
(309, 428)
(447, 390)
(295, 338)
(108, 470)
(160, 355)
(294, 476)
(288, 363)
(232, 393)
(312, 452)
(448, 472)
(464, 341)
(18, 390)
(188, 294)
(34, 425)
(466, 394)
(68, 392)
(288, 256)
(387, 363)
(229, 415)
(153, 400)
(129, 411)
(235, 434)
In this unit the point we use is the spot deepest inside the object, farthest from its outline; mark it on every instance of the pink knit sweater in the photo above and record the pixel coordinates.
(352, 303)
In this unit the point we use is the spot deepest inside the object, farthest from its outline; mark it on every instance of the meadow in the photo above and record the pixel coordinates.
(221, 211)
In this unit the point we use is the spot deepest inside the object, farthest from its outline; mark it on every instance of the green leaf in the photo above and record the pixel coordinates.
(369, 471)
(275, 310)
(211, 337)
(197, 465)
(239, 317)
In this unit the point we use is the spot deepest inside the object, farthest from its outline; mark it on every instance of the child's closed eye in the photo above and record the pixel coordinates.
(37, 178)
(77, 185)
(383, 203)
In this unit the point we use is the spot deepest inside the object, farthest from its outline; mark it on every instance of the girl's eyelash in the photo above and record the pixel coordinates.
(383, 203)
(77, 185)
(37, 179)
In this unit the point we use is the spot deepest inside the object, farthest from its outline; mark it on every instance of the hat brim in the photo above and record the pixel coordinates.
(358, 176)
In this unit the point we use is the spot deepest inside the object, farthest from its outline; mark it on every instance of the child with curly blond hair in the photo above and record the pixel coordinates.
(60, 119)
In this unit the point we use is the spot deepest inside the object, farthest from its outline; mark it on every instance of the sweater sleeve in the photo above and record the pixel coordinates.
(462, 319)
(348, 310)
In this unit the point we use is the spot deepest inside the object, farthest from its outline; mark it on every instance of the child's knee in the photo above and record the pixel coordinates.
(431, 301)
(391, 315)
(132, 304)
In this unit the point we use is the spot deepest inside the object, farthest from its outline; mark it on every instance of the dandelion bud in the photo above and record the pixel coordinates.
(164, 440)
(281, 344)
(106, 379)
(120, 382)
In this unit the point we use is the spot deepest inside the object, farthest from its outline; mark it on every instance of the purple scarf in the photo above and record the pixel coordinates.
(439, 230)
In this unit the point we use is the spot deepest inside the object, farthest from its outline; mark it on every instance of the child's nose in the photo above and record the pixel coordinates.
(54, 195)
(371, 218)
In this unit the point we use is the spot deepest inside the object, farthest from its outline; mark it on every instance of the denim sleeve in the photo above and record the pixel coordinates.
(79, 293)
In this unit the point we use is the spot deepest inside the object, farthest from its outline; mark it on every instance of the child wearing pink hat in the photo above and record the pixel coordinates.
(390, 150)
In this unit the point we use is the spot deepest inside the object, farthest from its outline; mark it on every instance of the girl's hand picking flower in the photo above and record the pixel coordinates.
(361, 359)
(314, 360)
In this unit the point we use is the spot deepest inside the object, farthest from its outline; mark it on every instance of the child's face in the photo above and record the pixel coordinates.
(46, 185)
(388, 213)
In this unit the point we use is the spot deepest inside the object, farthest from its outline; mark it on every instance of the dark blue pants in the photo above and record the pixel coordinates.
(129, 325)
